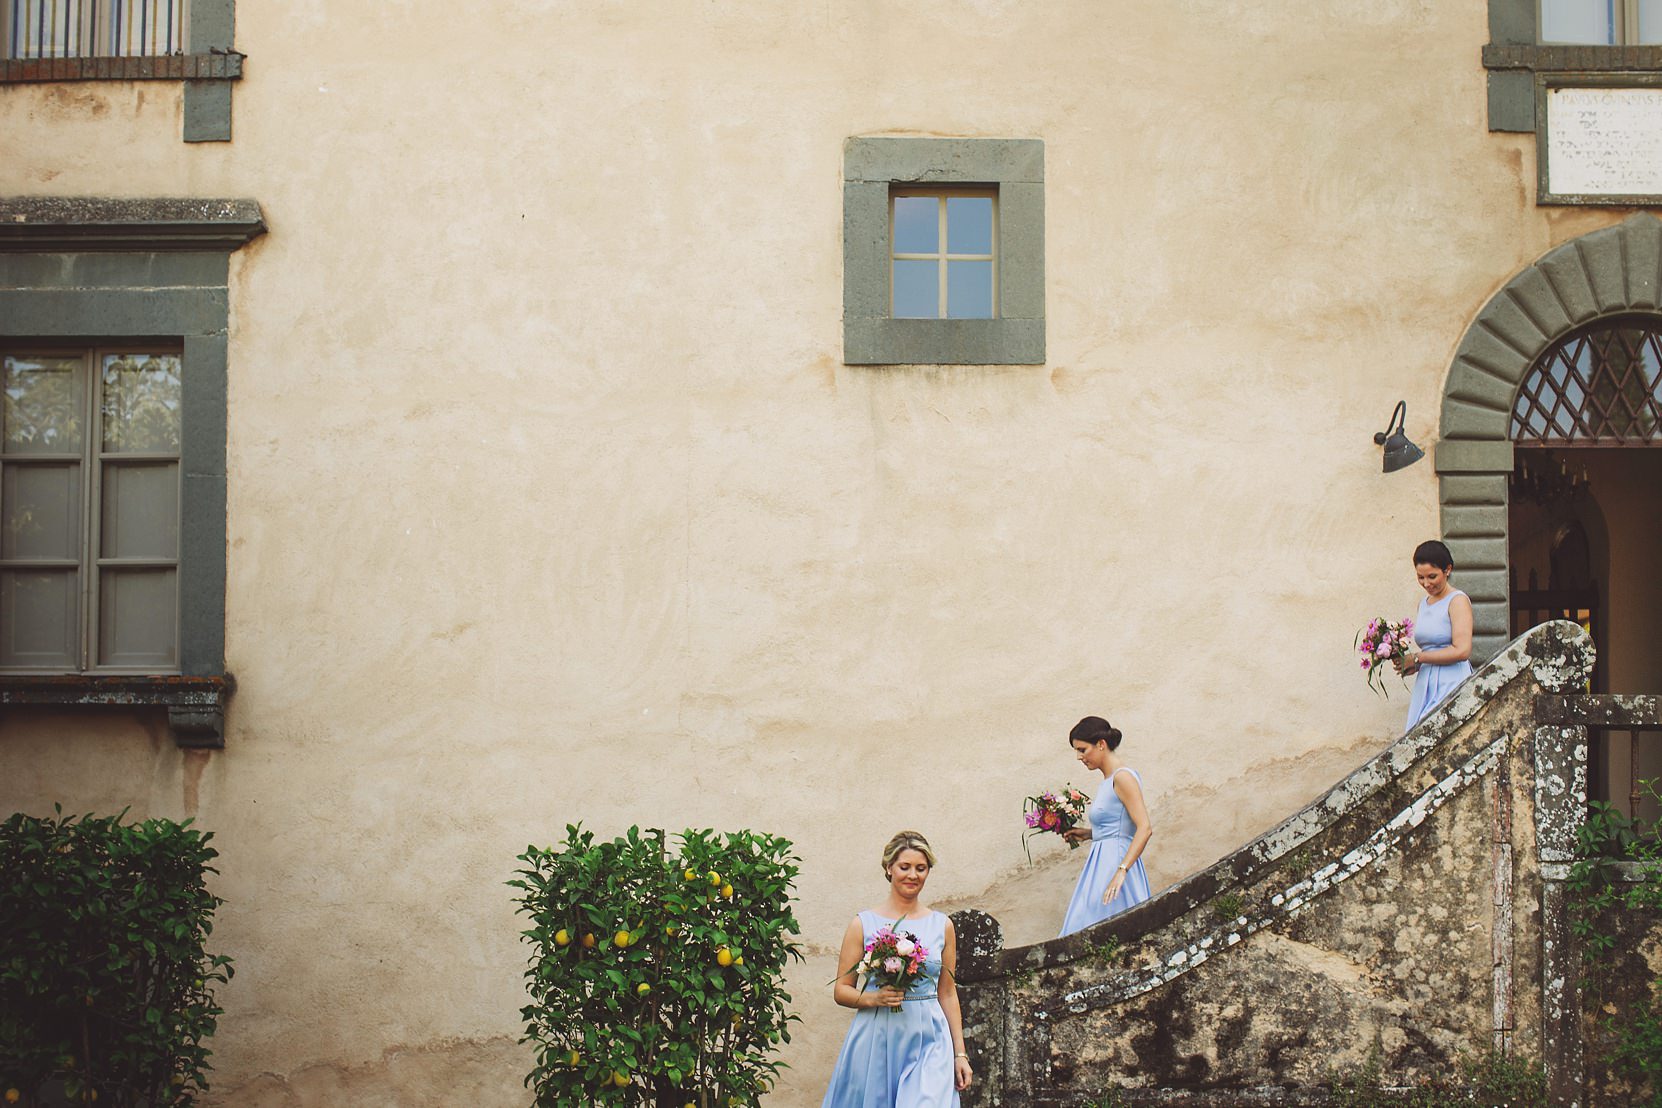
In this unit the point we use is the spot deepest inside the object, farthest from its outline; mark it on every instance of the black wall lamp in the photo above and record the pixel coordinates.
(1399, 452)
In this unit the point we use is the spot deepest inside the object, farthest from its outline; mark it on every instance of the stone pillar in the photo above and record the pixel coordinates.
(984, 998)
(1560, 806)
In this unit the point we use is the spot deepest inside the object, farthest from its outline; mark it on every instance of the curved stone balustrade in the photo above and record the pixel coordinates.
(1415, 909)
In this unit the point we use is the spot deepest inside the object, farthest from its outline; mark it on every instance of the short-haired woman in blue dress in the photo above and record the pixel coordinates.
(1442, 629)
(903, 1050)
(1119, 828)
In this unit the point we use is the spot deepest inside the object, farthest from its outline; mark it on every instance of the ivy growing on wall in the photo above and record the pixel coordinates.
(1619, 869)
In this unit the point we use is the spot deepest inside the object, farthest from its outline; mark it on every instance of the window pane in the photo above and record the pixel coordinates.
(917, 225)
(969, 290)
(46, 28)
(43, 405)
(917, 290)
(969, 225)
(37, 618)
(141, 511)
(137, 617)
(141, 402)
(41, 509)
(1649, 31)
(1588, 22)
(146, 27)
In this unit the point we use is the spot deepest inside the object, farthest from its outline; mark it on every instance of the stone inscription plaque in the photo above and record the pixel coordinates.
(1604, 142)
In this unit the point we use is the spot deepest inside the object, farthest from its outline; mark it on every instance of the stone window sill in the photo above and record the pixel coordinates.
(1576, 59)
(195, 705)
(167, 67)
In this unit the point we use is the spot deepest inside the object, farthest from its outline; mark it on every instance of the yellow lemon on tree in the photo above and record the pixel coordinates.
(738, 959)
(588, 939)
(574, 1057)
(715, 878)
(724, 957)
(619, 1078)
(642, 989)
(562, 937)
(670, 931)
(727, 891)
(621, 939)
(692, 875)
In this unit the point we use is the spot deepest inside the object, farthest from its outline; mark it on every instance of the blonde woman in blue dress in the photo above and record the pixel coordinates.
(903, 1050)
(1118, 829)
(1442, 631)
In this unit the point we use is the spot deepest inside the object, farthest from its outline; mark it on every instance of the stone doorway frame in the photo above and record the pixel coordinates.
(1609, 272)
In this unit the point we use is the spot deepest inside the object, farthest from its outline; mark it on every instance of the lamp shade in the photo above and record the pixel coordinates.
(1400, 453)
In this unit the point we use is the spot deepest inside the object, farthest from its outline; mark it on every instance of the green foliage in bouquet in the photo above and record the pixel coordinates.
(106, 986)
(657, 978)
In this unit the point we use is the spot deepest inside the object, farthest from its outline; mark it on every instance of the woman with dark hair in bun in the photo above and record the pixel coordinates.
(1113, 879)
(1442, 630)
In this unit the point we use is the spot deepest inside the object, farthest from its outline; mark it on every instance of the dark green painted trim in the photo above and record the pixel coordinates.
(135, 313)
(1512, 101)
(1544, 83)
(207, 111)
(174, 289)
(1514, 22)
(82, 223)
(1015, 167)
(213, 25)
(207, 107)
(1613, 271)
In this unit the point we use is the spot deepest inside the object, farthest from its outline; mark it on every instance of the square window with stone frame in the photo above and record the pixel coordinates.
(90, 442)
(92, 28)
(943, 251)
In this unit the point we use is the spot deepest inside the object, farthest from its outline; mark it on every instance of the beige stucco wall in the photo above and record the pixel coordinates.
(551, 499)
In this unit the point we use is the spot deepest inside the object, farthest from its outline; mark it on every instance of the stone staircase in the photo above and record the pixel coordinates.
(1414, 913)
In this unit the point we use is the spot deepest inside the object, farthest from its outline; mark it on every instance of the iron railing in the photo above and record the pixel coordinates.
(93, 28)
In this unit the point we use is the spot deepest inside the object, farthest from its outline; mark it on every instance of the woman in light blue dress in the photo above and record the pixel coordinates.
(1442, 629)
(1113, 879)
(904, 1049)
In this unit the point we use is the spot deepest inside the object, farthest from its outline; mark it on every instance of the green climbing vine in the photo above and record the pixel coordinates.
(1618, 869)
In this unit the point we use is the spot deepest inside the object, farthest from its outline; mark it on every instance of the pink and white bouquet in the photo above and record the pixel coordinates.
(1382, 642)
(1056, 811)
(893, 958)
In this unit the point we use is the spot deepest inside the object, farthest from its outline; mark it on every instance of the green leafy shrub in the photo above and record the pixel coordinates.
(657, 978)
(106, 990)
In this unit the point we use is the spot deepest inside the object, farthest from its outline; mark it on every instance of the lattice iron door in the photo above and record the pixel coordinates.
(1600, 386)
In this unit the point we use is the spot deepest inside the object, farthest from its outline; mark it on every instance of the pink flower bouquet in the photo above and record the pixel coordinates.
(893, 958)
(1055, 812)
(1382, 642)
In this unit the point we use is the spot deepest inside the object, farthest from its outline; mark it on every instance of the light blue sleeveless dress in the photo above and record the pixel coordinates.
(1432, 631)
(899, 1058)
(1111, 832)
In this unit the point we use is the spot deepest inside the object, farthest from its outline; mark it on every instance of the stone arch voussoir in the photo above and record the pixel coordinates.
(1605, 272)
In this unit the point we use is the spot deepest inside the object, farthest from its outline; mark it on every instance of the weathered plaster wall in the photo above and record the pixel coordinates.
(551, 500)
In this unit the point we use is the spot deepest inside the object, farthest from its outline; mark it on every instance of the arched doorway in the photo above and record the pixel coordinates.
(1550, 465)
